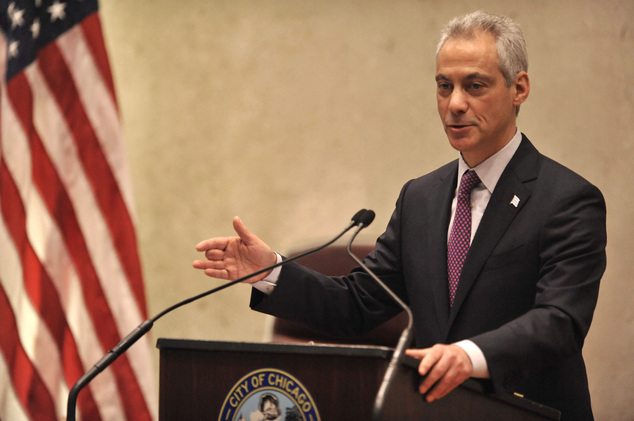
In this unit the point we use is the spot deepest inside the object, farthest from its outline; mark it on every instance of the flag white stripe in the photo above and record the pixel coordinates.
(101, 111)
(35, 338)
(10, 406)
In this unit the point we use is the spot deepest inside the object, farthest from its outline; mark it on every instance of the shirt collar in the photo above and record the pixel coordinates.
(490, 170)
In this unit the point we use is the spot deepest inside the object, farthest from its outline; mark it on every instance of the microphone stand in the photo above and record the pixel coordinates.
(404, 340)
(145, 326)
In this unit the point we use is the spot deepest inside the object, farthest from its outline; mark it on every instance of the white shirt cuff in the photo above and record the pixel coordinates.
(267, 285)
(480, 367)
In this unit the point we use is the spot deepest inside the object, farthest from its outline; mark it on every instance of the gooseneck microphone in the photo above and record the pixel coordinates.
(366, 219)
(360, 218)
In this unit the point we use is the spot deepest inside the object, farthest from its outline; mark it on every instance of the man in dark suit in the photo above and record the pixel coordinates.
(514, 303)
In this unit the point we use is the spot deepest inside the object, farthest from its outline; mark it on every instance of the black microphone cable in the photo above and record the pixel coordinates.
(406, 336)
(359, 218)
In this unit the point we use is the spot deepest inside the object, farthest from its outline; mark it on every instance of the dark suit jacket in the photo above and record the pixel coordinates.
(528, 288)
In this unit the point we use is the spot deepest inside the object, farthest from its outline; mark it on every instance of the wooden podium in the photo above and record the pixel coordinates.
(228, 380)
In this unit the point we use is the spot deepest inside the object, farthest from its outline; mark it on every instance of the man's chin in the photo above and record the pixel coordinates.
(461, 144)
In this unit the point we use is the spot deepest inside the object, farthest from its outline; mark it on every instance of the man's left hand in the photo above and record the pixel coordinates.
(444, 367)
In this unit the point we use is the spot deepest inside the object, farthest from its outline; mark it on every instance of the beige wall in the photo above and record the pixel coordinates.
(295, 114)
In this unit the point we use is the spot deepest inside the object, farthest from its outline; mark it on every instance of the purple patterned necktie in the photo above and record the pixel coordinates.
(460, 236)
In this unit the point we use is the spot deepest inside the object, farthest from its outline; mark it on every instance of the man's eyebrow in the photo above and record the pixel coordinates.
(480, 76)
(471, 76)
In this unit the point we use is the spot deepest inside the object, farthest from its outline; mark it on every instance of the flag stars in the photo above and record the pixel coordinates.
(27, 25)
(35, 28)
(14, 49)
(57, 11)
(16, 16)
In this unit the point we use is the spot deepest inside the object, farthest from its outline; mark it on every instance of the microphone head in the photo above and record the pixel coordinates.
(357, 216)
(366, 217)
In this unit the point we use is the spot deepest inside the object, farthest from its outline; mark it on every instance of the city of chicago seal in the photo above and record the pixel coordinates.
(268, 394)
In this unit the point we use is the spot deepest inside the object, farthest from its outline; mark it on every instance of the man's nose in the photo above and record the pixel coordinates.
(458, 102)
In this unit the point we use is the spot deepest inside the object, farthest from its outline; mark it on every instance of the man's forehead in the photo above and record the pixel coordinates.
(471, 57)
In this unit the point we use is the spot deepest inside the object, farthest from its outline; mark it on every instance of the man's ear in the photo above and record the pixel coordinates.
(522, 88)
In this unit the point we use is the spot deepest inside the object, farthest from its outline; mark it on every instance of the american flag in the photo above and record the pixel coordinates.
(70, 276)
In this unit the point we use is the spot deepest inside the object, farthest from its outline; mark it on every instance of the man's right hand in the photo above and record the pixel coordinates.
(234, 257)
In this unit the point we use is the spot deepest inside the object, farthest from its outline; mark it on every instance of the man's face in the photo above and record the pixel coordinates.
(475, 105)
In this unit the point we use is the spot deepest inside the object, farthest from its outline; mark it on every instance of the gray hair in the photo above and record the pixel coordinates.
(510, 43)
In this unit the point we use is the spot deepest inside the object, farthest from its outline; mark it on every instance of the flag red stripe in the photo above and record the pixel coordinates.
(58, 203)
(91, 26)
(28, 385)
(40, 289)
(96, 167)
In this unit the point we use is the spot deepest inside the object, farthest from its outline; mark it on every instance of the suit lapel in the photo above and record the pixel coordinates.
(437, 223)
(509, 197)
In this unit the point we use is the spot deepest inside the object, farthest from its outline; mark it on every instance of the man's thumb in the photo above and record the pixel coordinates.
(243, 232)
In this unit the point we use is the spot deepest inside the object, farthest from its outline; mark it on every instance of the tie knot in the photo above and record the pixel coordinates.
(468, 182)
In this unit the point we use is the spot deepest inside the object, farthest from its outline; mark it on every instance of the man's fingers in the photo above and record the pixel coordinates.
(235, 257)
(208, 264)
(219, 243)
(433, 368)
(442, 379)
(428, 357)
(215, 254)
(217, 273)
(444, 368)
(428, 367)
(439, 390)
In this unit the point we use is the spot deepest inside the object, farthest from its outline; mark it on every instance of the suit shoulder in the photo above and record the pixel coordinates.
(435, 177)
(430, 184)
(563, 176)
(550, 174)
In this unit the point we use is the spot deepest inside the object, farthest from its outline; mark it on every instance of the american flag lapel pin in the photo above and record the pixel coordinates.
(515, 201)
